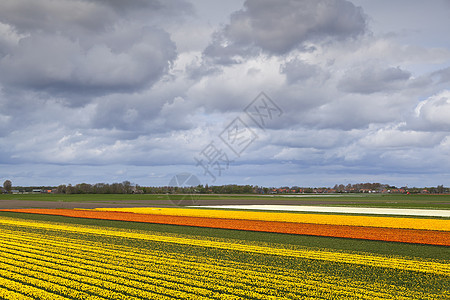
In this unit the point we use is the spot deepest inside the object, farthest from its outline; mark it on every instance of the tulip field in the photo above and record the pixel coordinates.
(104, 254)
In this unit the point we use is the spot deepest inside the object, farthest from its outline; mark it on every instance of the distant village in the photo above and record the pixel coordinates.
(127, 187)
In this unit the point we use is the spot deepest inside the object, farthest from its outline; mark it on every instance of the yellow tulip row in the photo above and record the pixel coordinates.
(94, 285)
(371, 221)
(89, 264)
(10, 294)
(320, 287)
(210, 265)
(367, 260)
(146, 280)
(60, 267)
(213, 282)
(31, 286)
(325, 288)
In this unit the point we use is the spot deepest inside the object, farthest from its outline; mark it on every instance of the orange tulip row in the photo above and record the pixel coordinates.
(431, 237)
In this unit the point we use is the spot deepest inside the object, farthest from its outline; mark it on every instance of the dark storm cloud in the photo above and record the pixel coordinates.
(58, 64)
(277, 27)
(77, 17)
(77, 49)
(65, 16)
(373, 79)
(296, 70)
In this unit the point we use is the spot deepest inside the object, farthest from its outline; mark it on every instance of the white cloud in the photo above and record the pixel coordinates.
(434, 112)
(395, 138)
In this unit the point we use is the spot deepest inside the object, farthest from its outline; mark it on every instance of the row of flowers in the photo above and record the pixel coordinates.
(330, 219)
(35, 262)
(140, 270)
(431, 237)
(368, 260)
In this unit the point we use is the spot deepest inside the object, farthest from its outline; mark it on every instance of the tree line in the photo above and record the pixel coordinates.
(126, 187)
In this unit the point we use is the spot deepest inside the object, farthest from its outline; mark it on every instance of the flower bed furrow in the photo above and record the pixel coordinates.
(334, 283)
(141, 257)
(305, 288)
(68, 259)
(144, 280)
(330, 219)
(368, 260)
(32, 286)
(431, 237)
(73, 285)
(9, 293)
(88, 274)
(252, 281)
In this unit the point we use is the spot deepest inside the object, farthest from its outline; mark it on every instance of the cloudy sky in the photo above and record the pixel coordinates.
(141, 90)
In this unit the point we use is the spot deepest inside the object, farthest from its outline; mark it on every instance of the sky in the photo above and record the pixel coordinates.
(259, 92)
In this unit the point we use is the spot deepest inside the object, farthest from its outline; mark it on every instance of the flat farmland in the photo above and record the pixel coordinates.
(123, 200)
(143, 247)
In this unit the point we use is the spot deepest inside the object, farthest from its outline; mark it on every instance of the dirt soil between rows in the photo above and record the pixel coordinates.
(13, 204)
